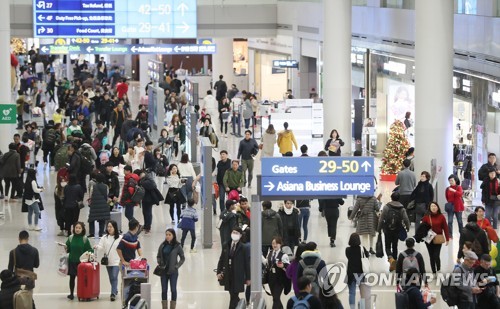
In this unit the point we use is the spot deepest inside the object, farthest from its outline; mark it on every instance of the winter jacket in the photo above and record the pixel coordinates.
(309, 258)
(27, 257)
(291, 226)
(489, 190)
(465, 284)
(74, 165)
(233, 179)
(271, 226)
(247, 148)
(291, 273)
(99, 208)
(470, 233)
(131, 181)
(367, 220)
(406, 181)
(236, 272)
(384, 217)
(438, 224)
(10, 165)
(229, 221)
(482, 174)
(354, 265)
(418, 256)
(247, 110)
(113, 184)
(415, 298)
(455, 198)
(72, 195)
(9, 288)
(423, 193)
(153, 196)
(175, 258)
(336, 153)
(222, 167)
(189, 217)
(107, 246)
(268, 142)
(286, 141)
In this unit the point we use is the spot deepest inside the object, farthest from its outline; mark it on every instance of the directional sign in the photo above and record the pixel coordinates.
(317, 186)
(294, 64)
(115, 18)
(318, 166)
(123, 49)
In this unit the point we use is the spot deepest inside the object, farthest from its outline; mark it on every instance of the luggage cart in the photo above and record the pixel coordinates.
(129, 277)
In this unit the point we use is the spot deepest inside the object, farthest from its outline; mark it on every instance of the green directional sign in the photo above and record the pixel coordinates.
(7, 113)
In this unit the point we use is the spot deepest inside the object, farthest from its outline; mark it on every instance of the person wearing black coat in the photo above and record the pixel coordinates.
(291, 227)
(333, 144)
(152, 197)
(355, 266)
(222, 166)
(490, 191)
(112, 181)
(10, 285)
(423, 194)
(472, 232)
(73, 193)
(330, 208)
(233, 269)
(276, 263)
(411, 287)
(99, 209)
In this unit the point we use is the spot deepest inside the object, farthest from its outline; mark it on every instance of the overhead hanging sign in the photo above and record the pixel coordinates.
(124, 49)
(115, 18)
(290, 64)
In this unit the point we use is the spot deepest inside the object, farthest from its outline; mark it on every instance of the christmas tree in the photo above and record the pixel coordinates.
(395, 149)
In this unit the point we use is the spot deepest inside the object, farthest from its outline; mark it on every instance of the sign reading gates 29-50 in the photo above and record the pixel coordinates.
(317, 176)
(7, 113)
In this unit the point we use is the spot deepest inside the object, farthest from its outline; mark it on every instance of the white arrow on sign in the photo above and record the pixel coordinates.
(176, 49)
(269, 186)
(183, 8)
(41, 5)
(41, 30)
(44, 49)
(366, 166)
(184, 26)
(41, 18)
(90, 49)
(133, 49)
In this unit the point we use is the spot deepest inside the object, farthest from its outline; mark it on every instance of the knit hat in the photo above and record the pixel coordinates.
(470, 255)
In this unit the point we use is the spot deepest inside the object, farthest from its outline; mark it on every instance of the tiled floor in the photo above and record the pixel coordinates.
(197, 285)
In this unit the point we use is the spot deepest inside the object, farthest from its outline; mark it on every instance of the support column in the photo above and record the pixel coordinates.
(5, 70)
(337, 89)
(433, 90)
(295, 73)
(222, 62)
(143, 67)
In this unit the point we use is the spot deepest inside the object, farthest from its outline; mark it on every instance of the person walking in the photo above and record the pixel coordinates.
(32, 201)
(152, 197)
(247, 150)
(333, 144)
(291, 270)
(406, 182)
(98, 206)
(355, 271)
(391, 222)
(223, 166)
(291, 227)
(286, 140)
(189, 217)
(275, 264)
(73, 195)
(365, 210)
(107, 245)
(131, 181)
(271, 226)
(117, 119)
(233, 268)
(247, 111)
(76, 245)
(220, 88)
(423, 194)
(330, 209)
(174, 197)
(268, 142)
(410, 258)
(454, 196)
(490, 196)
(304, 295)
(437, 222)
(24, 257)
(10, 170)
(466, 286)
(170, 258)
(304, 206)
(473, 233)
(234, 179)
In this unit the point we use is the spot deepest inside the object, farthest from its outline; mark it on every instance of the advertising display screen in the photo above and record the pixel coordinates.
(115, 18)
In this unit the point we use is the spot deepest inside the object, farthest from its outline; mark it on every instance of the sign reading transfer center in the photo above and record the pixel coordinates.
(115, 18)
(317, 176)
(7, 113)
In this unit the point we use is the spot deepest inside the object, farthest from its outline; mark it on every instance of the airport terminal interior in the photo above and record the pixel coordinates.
(388, 75)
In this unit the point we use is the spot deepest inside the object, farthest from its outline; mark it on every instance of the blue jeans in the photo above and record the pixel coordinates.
(147, 212)
(222, 197)
(492, 214)
(364, 291)
(305, 213)
(459, 221)
(352, 293)
(247, 123)
(33, 208)
(173, 285)
(129, 212)
(113, 272)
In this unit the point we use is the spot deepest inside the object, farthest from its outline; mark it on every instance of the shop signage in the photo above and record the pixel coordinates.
(7, 113)
(289, 64)
(115, 18)
(317, 176)
(127, 49)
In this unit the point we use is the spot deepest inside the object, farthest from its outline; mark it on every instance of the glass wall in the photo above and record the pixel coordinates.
(466, 7)
(399, 4)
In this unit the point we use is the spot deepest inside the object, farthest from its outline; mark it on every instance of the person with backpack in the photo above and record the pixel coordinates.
(10, 286)
(291, 228)
(304, 299)
(392, 220)
(365, 210)
(423, 194)
(291, 270)
(98, 205)
(131, 181)
(228, 220)
(461, 291)
(275, 264)
(311, 265)
(473, 233)
(10, 169)
(437, 222)
(77, 244)
(411, 295)
(49, 142)
(152, 196)
(410, 258)
(355, 272)
(272, 226)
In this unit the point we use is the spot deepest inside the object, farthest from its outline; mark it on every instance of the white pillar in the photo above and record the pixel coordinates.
(143, 67)
(5, 85)
(295, 73)
(337, 70)
(433, 91)
(222, 63)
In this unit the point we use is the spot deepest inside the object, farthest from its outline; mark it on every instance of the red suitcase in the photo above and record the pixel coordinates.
(88, 285)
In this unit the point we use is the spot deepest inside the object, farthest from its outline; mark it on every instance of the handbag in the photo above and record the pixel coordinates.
(449, 207)
(174, 195)
(105, 259)
(439, 239)
(365, 262)
(411, 205)
(159, 270)
(138, 264)
(63, 265)
(379, 247)
(403, 234)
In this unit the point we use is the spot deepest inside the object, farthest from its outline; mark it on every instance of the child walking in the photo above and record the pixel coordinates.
(189, 217)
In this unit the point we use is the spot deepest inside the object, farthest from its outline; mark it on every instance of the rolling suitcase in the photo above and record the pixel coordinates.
(88, 281)
(116, 215)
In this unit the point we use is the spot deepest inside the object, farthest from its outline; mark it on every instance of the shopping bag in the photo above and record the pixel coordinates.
(138, 264)
(379, 247)
(63, 265)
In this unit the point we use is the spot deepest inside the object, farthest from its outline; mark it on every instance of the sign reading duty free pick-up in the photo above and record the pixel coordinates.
(7, 113)
(317, 176)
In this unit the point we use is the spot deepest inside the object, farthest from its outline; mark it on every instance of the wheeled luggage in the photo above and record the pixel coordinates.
(131, 282)
(136, 302)
(116, 215)
(88, 284)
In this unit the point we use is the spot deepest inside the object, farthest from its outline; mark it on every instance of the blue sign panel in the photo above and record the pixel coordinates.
(115, 18)
(317, 186)
(318, 166)
(131, 49)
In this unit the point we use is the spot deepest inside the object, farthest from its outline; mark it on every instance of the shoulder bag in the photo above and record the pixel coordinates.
(26, 277)
(438, 238)
(105, 258)
(365, 262)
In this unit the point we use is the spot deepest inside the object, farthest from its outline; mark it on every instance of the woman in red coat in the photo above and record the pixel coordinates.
(483, 222)
(454, 195)
(436, 220)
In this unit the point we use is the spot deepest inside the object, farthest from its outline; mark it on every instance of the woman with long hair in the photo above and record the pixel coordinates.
(170, 258)
(73, 193)
(423, 194)
(61, 183)
(116, 157)
(276, 263)
(186, 169)
(355, 271)
(268, 141)
(174, 195)
(32, 202)
(436, 220)
(333, 144)
(76, 245)
(107, 245)
(291, 270)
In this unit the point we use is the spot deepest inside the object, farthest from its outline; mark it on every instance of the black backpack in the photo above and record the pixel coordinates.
(86, 165)
(50, 137)
(449, 291)
(394, 219)
(135, 288)
(402, 299)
